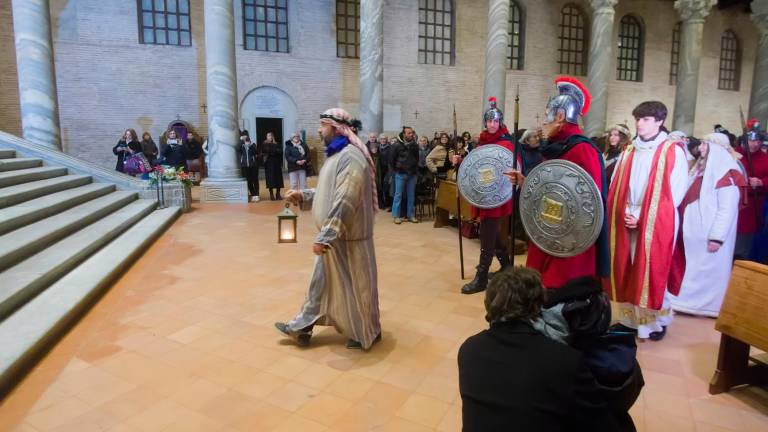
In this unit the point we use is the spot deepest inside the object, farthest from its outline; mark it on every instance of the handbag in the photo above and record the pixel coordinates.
(470, 229)
(137, 164)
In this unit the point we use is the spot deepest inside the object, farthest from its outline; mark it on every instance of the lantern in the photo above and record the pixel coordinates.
(286, 225)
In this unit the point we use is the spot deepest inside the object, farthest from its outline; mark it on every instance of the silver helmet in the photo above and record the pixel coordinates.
(572, 98)
(493, 112)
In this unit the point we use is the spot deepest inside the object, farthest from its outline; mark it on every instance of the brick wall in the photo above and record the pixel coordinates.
(107, 81)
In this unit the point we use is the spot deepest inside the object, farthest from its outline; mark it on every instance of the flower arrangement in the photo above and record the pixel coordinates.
(170, 174)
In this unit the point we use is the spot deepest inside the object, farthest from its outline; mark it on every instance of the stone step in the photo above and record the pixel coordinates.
(16, 194)
(23, 242)
(7, 153)
(26, 175)
(23, 281)
(19, 163)
(30, 331)
(31, 211)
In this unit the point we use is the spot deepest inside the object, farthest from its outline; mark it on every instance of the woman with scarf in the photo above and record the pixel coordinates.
(617, 139)
(708, 216)
(297, 157)
(125, 148)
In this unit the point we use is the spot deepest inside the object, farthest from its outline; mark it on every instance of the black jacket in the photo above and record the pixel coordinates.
(250, 155)
(174, 155)
(513, 378)
(404, 157)
(293, 155)
(193, 149)
(123, 155)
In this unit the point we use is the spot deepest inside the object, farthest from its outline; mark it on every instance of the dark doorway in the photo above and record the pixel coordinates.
(269, 124)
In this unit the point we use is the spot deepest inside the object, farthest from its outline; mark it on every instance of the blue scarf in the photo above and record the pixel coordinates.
(336, 145)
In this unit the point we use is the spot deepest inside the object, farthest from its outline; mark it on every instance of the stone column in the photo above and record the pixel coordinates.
(496, 54)
(600, 62)
(224, 182)
(692, 14)
(372, 65)
(37, 77)
(758, 101)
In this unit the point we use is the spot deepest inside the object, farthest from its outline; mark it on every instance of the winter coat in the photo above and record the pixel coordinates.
(405, 157)
(273, 164)
(174, 155)
(249, 155)
(293, 155)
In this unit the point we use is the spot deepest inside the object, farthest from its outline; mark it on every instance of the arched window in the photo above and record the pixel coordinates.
(573, 41)
(516, 31)
(164, 22)
(730, 62)
(348, 28)
(436, 32)
(265, 25)
(674, 59)
(631, 40)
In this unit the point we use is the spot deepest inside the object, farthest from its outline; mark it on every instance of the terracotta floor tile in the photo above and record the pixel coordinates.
(58, 414)
(299, 424)
(324, 408)
(185, 341)
(716, 414)
(351, 387)
(318, 376)
(424, 410)
(291, 396)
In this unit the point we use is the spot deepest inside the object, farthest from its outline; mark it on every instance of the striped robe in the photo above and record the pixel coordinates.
(343, 291)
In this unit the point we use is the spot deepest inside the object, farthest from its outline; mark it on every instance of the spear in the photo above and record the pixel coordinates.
(513, 216)
(458, 197)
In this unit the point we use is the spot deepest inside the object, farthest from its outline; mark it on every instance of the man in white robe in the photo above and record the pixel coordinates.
(709, 212)
(343, 291)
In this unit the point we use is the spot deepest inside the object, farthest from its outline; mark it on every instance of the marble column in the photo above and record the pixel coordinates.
(692, 13)
(372, 65)
(600, 65)
(37, 77)
(496, 47)
(758, 101)
(224, 182)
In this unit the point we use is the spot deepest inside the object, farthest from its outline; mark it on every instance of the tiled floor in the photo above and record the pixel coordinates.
(184, 341)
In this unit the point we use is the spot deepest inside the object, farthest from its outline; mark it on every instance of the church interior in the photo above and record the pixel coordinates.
(147, 302)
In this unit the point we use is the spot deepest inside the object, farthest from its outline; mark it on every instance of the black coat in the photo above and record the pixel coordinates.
(193, 149)
(405, 157)
(123, 155)
(249, 155)
(273, 164)
(513, 378)
(174, 155)
(293, 155)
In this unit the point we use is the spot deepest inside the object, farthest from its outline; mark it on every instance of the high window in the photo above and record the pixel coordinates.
(573, 41)
(348, 28)
(629, 66)
(436, 32)
(516, 37)
(265, 25)
(164, 22)
(674, 60)
(730, 62)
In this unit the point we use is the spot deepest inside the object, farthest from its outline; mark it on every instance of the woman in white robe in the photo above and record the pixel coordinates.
(710, 212)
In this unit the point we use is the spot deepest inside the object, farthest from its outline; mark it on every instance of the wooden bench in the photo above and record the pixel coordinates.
(743, 323)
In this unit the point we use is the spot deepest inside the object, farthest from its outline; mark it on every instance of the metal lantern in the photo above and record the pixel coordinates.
(286, 225)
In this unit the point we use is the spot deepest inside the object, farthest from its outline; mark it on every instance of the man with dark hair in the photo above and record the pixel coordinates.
(649, 183)
(405, 166)
(511, 377)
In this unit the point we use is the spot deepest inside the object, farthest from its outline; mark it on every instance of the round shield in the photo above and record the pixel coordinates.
(561, 208)
(481, 177)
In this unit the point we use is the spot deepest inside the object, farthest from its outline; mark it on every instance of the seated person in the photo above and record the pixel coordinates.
(513, 378)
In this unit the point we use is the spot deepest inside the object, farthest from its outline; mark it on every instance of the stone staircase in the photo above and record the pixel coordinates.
(63, 240)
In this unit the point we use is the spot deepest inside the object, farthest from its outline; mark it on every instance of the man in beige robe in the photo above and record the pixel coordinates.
(342, 292)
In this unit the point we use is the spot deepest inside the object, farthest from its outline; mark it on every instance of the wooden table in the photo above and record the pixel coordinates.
(743, 323)
(445, 203)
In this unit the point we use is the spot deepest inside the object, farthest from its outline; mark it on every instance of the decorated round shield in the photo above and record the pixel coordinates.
(561, 208)
(481, 177)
